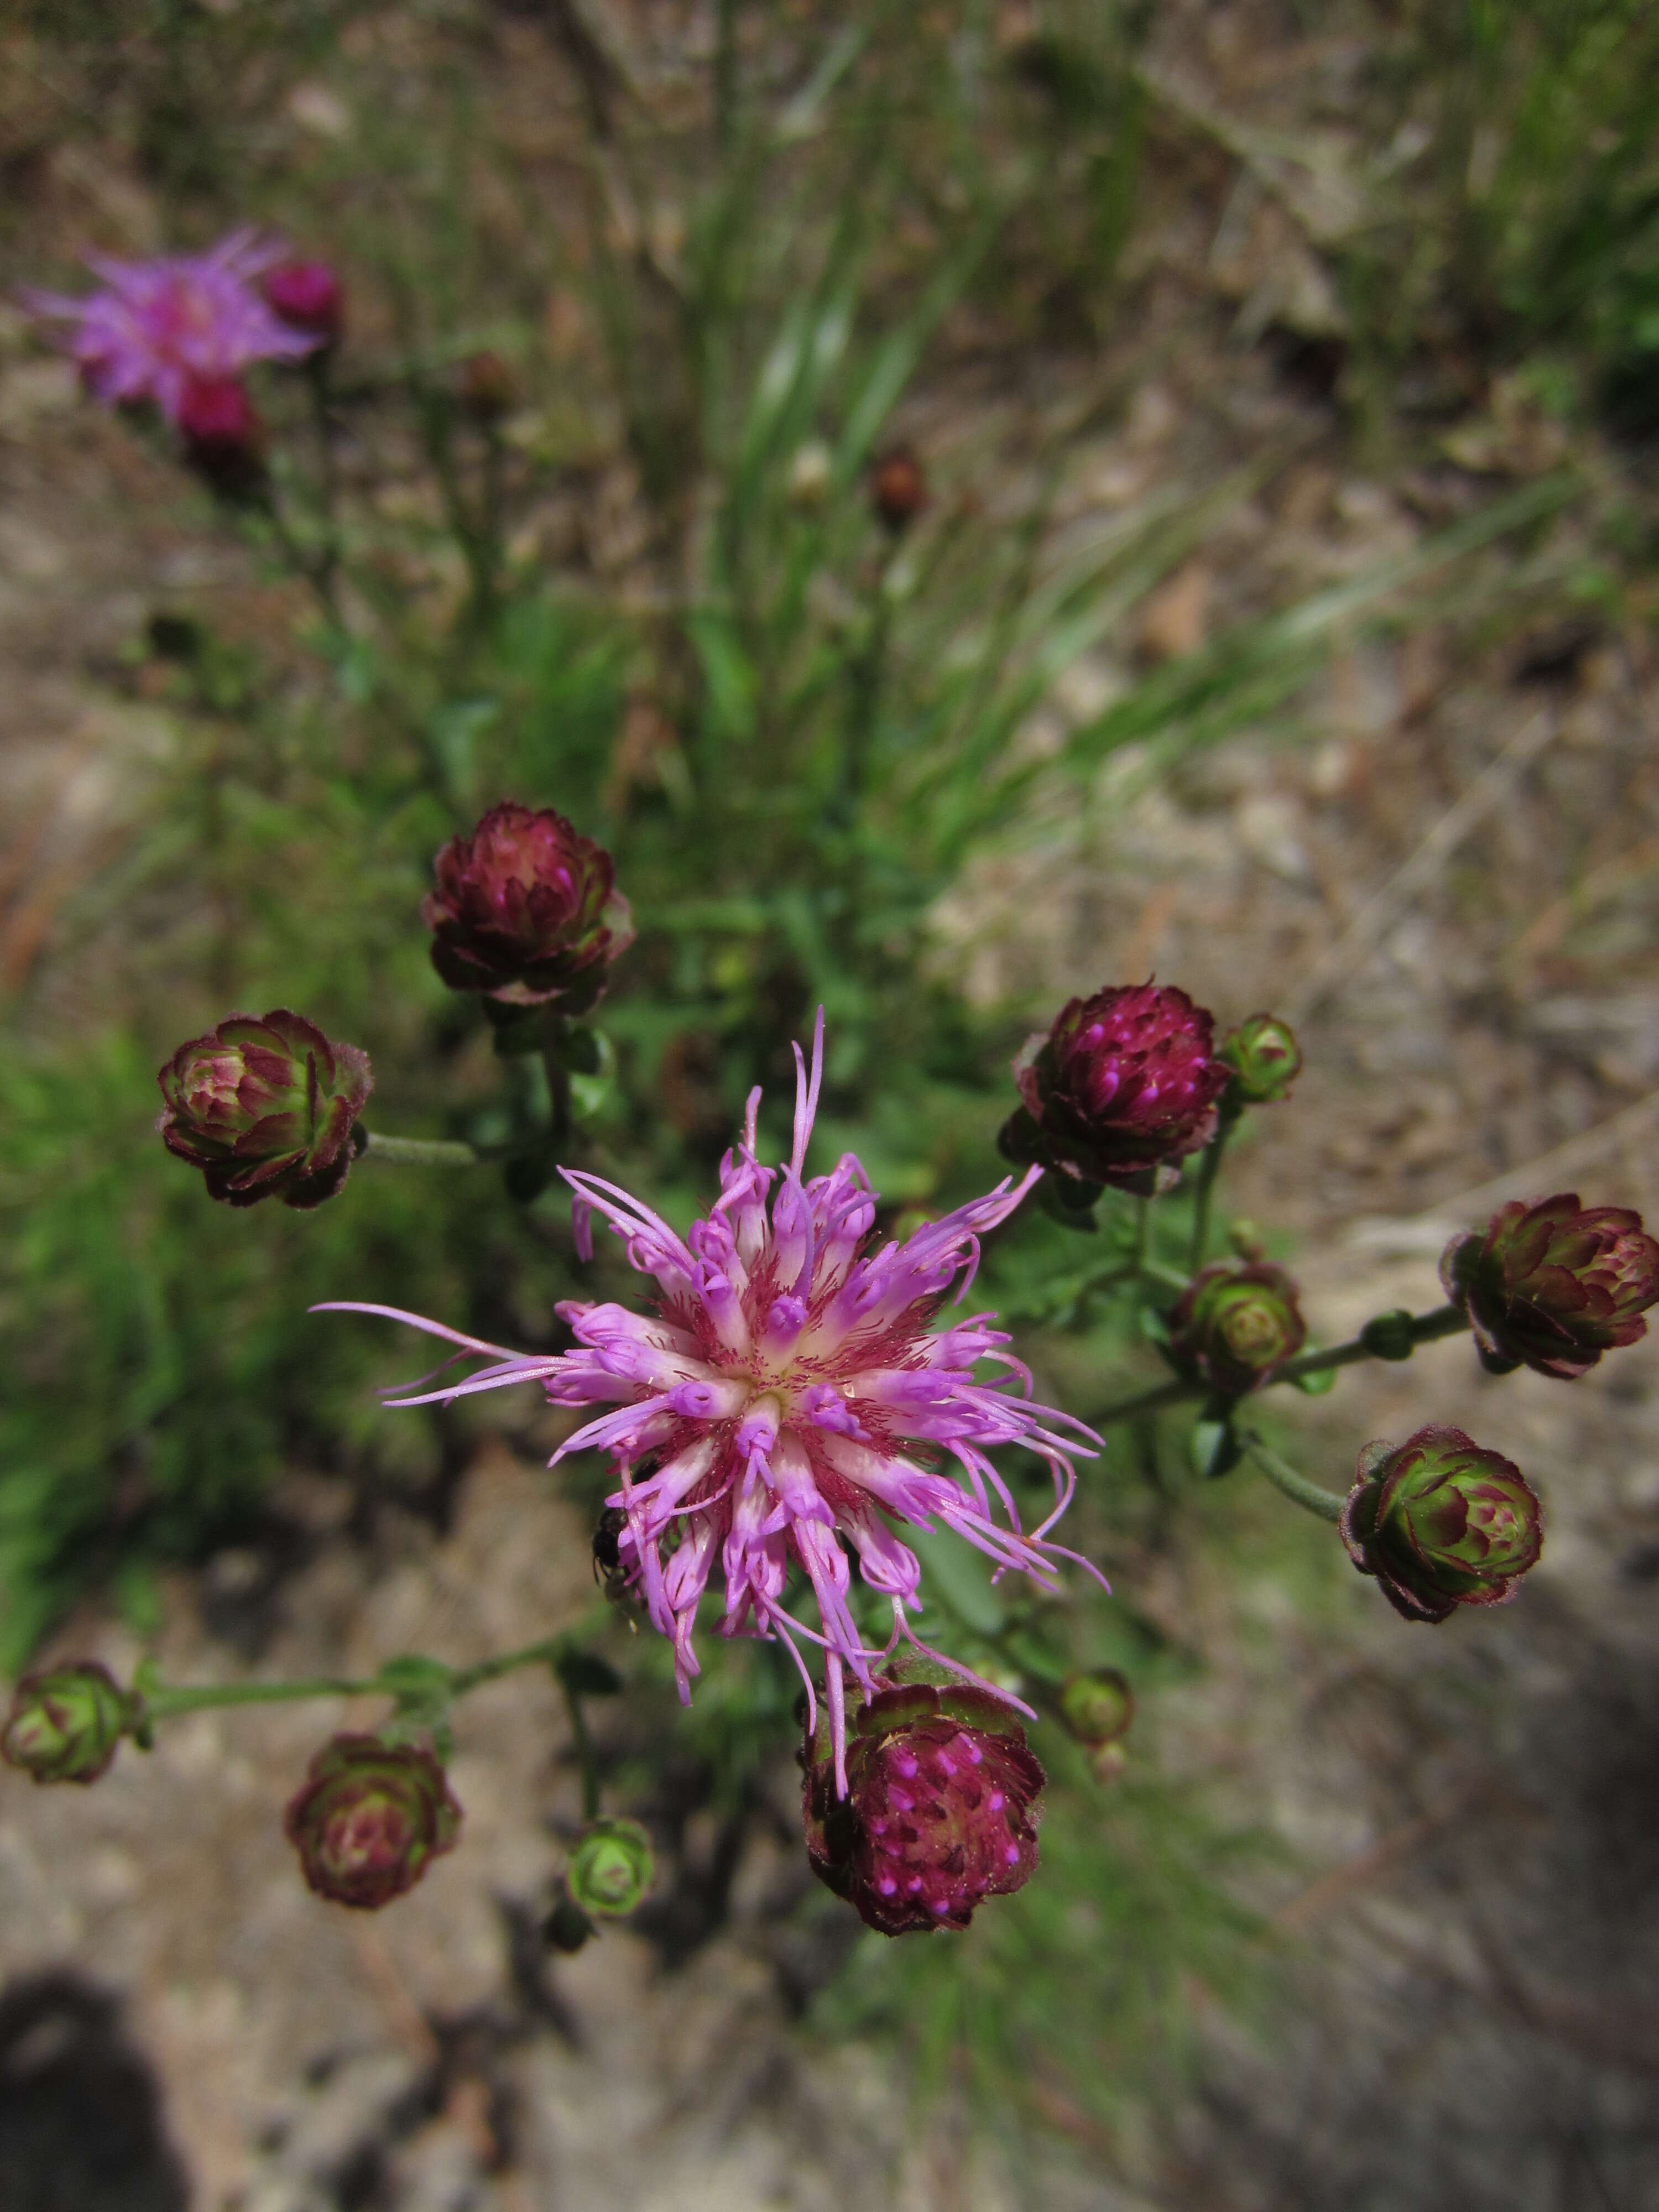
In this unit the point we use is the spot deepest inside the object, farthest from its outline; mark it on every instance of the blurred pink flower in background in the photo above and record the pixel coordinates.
(161, 329)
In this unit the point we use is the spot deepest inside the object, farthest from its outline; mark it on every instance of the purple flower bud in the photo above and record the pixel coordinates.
(1265, 1059)
(306, 295)
(224, 438)
(265, 1109)
(527, 911)
(1123, 1086)
(941, 1810)
(1554, 1284)
(65, 1722)
(1233, 1327)
(898, 488)
(369, 1817)
(1440, 1523)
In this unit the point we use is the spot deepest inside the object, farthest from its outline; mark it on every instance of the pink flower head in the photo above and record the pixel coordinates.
(789, 1402)
(1122, 1087)
(159, 328)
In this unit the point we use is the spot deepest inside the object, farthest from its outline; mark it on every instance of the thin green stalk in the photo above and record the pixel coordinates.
(558, 1089)
(1204, 1190)
(585, 1752)
(167, 1704)
(1444, 1321)
(421, 1152)
(1310, 1495)
(1143, 1232)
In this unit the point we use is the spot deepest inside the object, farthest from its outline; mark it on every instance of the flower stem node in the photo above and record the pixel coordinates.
(266, 1107)
(527, 912)
(65, 1722)
(370, 1817)
(1120, 1090)
(1390, 1335)
(1265, 1060)
(1440, 1523)
(942, 1802)
(1234, 1326)
(1097, 1709)
(1554, 1285)
(610, 1870)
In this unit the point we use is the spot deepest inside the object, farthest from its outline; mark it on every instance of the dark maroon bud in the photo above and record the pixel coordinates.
(307, 295)
(266, 1107)
(1440, 1523)
(65, 1722)
(1554, 1284)
(527, 912)
(1120, 1090)
(486, 387)
(942, 1805)
(898, 488)
(1233, 1327)
(1265, 1058)
(369, 1818)
(224, 438)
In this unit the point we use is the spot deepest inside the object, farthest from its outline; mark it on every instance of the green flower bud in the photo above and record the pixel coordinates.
(265, 1109)
(1265, 1058)
(65, 1722)
(1098, 1708)
(612, 1869)
(1233, 1327)
(1440, 1523)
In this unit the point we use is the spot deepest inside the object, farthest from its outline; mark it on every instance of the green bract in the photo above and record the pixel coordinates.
(612, 1869)
(65, 1722)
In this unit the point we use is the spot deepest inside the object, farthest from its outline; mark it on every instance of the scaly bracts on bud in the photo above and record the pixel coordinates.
(306, 296)
(612, 1869)
(1265, 1059)
(527, 912)
(158, 328)
(1440, 1523)
(266, 1107)
(941, 1809)
(65, 1722)
(1233, 1327)
(369, 1818)
(791, 1405)
(1120, 1090)
(1554, 1284)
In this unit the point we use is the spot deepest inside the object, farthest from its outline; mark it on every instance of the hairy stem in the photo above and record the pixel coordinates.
(1204, 1191)
(421, 1152)
(586, 1753)
(1312, 1497)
